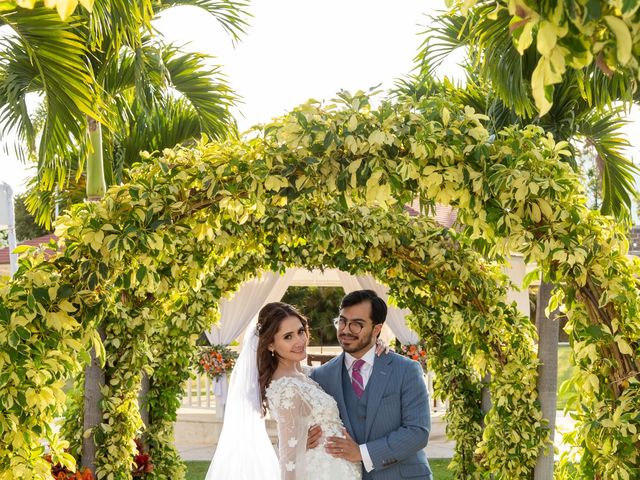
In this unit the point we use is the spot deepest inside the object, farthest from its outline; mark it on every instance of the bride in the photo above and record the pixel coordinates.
(268, 375)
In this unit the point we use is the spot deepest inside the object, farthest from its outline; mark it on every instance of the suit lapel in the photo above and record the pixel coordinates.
(377, 382)
(336, 372)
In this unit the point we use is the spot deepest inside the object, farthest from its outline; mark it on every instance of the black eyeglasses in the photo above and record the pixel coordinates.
(354, 327)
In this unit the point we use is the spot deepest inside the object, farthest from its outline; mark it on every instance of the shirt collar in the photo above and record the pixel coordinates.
(368, 358)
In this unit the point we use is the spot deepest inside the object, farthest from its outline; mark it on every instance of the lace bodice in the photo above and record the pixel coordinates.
(297, 403)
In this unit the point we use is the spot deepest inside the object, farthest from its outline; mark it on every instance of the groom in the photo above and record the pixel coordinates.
(383, 401)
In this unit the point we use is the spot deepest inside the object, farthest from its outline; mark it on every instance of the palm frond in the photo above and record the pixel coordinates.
(42, 202)
(171, 121)
(231, 14)
(204, 87)
(17, 78)
(116, 23)
(604, 133)
(416, 86)
(601, 91)
(117, 73)
(60, 70)
(446, 33)
(490, 51)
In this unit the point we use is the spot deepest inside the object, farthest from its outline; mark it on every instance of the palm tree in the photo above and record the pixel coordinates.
(584, 108)
(106, 69)
(83, 67)
(583, 112)
(183, 98)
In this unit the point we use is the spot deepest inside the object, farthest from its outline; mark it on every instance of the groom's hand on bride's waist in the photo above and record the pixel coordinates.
(344, 448)
(313, 436)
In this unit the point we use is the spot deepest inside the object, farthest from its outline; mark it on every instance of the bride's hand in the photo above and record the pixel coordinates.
(313, 436)
(381, 347)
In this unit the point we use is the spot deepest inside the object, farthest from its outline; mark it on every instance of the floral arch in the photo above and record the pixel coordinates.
(323, 187)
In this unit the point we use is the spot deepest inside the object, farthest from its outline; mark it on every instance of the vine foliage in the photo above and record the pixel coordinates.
(324, 187)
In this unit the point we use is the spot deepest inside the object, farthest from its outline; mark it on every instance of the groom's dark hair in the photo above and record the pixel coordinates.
(378, 305)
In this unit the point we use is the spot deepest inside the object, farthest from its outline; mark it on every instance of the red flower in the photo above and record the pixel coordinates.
(86, 475)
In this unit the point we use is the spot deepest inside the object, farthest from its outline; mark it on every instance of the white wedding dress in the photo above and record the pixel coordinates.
(244, 450)
(297, 403)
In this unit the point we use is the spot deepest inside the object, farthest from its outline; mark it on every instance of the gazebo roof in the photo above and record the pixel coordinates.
(34, 242)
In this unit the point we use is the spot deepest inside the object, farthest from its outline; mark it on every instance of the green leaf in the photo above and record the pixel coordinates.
(623, 38)
(141, 273)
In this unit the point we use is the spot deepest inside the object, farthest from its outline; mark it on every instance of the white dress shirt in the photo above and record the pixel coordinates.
(365, 371)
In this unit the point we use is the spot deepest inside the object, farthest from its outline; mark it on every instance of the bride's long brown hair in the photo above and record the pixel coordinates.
(269, 320)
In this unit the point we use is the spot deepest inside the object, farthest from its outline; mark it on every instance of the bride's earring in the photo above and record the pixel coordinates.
(273, 353)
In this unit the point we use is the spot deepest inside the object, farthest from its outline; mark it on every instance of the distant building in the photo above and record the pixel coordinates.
(634, 241)
(34, 242)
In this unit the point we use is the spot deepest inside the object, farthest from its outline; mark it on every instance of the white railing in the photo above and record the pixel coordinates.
(199, 392)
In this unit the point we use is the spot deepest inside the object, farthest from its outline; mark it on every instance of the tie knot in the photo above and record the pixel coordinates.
(357, 365)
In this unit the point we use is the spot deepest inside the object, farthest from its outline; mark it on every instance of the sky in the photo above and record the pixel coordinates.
(295, 50)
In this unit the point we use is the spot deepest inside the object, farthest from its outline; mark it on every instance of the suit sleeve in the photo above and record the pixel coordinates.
(413, 434)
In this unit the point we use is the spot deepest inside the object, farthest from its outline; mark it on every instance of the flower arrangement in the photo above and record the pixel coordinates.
(417, 352)
(216, 360)
(60, 472)
(141, 462)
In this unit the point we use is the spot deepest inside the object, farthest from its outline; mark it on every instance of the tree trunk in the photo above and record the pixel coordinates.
(145, 385)
(486, 395)
(96, 186)
(94, 379)
(94, 375)
(548, 330)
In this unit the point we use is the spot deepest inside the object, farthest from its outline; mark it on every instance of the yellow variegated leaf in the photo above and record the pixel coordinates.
(66, 8)
(466, 6)
(541, 94)
(352, 124)
(623, 346)
(525, 37)
(535, 213)
(60, 321)
(623, 38)
(353, 166)
(546, 38)
(376, 138)
(66, 306)
(272, 183)
(446, 115)
(545, 208)
(351, 144)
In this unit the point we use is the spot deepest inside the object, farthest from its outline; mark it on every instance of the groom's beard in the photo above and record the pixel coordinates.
(361, 343)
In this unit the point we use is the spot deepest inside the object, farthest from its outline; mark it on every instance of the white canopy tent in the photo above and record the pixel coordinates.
(241, 310)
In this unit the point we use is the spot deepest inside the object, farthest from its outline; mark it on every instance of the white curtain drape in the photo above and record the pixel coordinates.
(238, 312)
(395, 316)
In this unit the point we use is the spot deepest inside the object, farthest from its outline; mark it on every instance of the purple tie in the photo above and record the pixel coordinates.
(356, 377)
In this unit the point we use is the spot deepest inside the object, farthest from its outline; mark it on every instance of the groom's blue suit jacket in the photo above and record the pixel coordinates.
(397, 415)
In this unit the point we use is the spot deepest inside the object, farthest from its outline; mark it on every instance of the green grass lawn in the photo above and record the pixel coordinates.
(198, 470)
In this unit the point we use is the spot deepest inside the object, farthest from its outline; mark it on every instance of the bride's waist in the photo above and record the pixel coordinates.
(332, 429)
